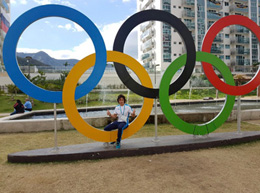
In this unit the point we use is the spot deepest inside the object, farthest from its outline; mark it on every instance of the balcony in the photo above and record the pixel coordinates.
(146, 25)
(213, 16)
(190, 25)
(188, 13)
(147, 34)
(240, 40)
(219, 39)
(145, 4)
(215, 6)
(188, 3)
(240, 1)
(244, 62)
(239, 8)
(216, 50)
(148, 45)
(240, 51)
(238, 29)
(148, 56)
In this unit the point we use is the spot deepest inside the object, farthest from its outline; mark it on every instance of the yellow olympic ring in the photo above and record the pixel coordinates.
(69, 95)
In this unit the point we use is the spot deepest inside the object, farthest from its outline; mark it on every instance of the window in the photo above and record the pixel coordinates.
(221, 57)
(226, 4)
(174, 6)
(227, 57)
(226, 35)
(227, 46)
(226, 14)
(179, 42)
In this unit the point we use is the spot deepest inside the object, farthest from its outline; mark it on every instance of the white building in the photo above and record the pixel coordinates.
(158, 43)
(4, 25)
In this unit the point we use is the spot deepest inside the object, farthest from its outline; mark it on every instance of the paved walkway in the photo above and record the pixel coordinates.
(133, 147)
(4, 114)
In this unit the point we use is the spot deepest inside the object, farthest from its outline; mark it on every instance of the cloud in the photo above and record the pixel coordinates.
(86, 48)
(24, 2)
(43, 2)
(124, 1)
(61, 2)
(78, 27)
(13, 2)
(69, 27)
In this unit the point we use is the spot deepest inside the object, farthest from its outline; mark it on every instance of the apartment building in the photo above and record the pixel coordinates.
(5, 24)
(158, 43)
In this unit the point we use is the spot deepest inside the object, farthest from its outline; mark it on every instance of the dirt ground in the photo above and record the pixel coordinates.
(231, 169)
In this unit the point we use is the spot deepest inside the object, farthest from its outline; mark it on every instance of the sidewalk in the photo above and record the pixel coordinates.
(4, 114)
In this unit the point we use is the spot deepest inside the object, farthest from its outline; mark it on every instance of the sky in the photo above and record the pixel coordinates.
(64, 39)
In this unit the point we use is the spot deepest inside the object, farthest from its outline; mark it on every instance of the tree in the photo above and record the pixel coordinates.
(66, 64)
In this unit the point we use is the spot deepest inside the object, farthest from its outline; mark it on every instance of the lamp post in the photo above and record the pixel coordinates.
(156, 139)
(28, 58)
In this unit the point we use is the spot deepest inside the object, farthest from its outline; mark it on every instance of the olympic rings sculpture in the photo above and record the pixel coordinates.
(99, 60)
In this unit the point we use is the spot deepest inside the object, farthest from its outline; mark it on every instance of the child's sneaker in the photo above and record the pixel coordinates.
(118, 145)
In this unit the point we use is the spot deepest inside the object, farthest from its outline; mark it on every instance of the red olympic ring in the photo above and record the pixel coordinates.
(206, 47)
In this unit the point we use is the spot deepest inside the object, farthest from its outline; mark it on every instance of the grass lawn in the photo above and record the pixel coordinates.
(226, 169)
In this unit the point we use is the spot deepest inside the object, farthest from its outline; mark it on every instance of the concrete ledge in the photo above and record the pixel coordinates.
(132, 147)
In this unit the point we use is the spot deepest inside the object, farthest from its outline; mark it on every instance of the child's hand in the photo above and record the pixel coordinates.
(133, 114)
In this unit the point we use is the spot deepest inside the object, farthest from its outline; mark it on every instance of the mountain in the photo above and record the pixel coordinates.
(46, 59)
(33, 62)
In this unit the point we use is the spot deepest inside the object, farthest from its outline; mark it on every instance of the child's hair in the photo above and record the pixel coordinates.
(120, 96)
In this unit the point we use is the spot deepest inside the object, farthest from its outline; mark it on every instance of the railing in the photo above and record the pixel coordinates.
(216, 50)
(148, 56)
(242, 51)
(145, 4)
(241, 1)
(244, 62)
(146, 34)
(242, 9)
(188, 3)
(212, 5)
(213, 16)
(146, 25)
(244, 69)
(147, 45)
(238, 29)
(219, 39)
(190, 25)
(188, 13)
(240, 40)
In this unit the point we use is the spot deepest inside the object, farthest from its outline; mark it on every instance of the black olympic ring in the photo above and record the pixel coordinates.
(183, 31)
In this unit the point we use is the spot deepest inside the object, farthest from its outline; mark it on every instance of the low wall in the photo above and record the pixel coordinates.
(35, 125)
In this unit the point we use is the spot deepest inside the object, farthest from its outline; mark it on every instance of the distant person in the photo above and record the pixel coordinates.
(18, 107)
(27, 105)
(121, 112)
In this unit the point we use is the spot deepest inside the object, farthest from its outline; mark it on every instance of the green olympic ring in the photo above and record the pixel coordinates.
(200, 129)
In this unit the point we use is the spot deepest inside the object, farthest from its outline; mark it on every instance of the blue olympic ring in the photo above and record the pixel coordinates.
(17, 28)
